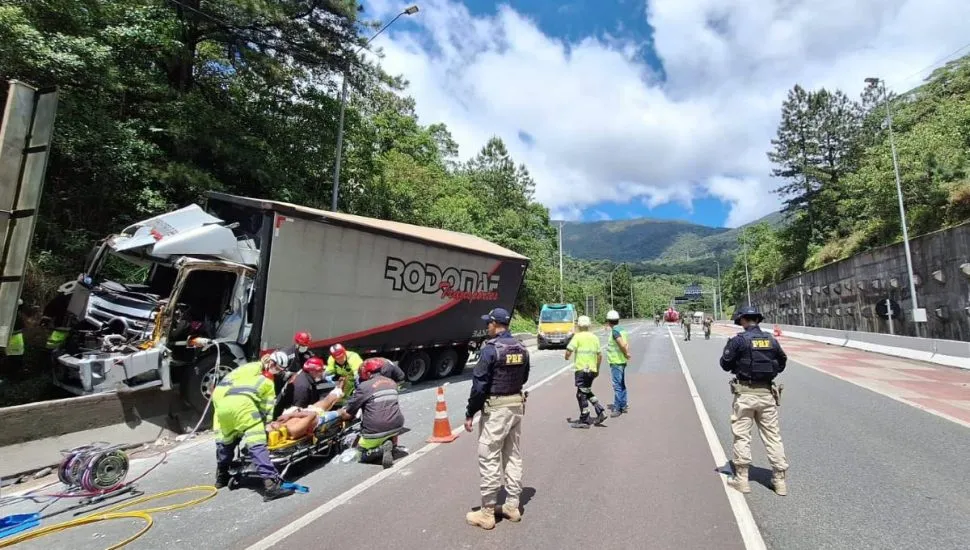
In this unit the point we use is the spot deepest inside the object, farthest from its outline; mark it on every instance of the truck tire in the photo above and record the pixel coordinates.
(198, 380)
(444, 363)
(416, 366)
(463, 356)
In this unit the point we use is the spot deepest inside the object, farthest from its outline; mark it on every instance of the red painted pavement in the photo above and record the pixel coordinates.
(938, 388)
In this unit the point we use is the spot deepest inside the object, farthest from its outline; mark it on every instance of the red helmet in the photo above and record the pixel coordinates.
(302, 339)
(338, 352)
(313, 365)
(370, 367)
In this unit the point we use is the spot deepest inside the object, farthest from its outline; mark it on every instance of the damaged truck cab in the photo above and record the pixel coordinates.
(162, 302)
(185, 297)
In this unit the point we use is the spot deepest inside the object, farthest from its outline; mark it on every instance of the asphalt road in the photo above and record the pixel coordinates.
(867, 472)
(240, 517)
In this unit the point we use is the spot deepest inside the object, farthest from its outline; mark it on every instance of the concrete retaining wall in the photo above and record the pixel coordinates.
(843, 295)
(942, 352)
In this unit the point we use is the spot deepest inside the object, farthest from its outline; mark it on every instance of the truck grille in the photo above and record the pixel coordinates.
(139, 316)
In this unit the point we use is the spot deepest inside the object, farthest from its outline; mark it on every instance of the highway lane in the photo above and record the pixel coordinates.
(866, 471)
(644, 480)
(232, 518)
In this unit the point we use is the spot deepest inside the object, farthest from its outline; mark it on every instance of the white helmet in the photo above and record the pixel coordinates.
(280, 358)
(613, 315)
(583, 321)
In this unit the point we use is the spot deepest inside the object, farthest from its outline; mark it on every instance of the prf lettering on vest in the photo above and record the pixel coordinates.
(761, 343)
(451, 282)
(514, 359)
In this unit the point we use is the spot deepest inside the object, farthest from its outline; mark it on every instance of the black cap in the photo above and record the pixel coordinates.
(498, 315)
(748, 312)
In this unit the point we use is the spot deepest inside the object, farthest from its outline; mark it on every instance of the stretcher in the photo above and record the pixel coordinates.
(330, 438)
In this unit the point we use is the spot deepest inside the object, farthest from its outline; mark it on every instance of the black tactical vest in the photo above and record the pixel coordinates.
(758, 360)
(508, 375)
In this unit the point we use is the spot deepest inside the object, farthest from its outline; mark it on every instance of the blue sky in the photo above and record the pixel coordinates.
(662, 109)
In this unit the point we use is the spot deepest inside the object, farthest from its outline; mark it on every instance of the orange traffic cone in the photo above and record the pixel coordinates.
(777, 331)
(442, 427)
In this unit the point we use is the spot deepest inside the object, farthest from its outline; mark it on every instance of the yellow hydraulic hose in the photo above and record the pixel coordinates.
(114, 513)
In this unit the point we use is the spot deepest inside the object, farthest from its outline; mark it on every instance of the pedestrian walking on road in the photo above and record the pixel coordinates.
(586, 346)
(497, 381)
(618, 355)
(755, 358)
(685, 324)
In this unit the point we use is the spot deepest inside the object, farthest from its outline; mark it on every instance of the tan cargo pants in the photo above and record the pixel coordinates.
(757, 408)
(498, 449)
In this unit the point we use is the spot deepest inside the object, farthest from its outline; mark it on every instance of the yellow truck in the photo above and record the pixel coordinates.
(557, 324)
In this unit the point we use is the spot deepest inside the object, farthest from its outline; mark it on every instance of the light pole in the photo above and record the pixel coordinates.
(343, 107)
(747, 278)
(718, 299)
(611, 286)
(919, 315)
(632, 310)
(560, 264)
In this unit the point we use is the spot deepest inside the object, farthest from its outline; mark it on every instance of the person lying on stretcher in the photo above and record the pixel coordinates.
(297, 423)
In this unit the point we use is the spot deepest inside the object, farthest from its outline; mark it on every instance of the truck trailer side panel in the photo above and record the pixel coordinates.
(376, 292)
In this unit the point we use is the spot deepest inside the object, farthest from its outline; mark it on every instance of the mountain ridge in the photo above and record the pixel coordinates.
(654, 241)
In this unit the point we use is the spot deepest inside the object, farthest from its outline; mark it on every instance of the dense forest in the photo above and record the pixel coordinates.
(833, 155)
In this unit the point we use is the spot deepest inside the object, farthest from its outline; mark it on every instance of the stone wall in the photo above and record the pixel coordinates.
(843, 295)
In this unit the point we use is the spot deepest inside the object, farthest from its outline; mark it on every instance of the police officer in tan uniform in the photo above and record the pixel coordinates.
(755, 358)
(497, 382)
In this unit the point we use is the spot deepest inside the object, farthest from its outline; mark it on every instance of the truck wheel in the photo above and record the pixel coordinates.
(416, 366)
(444, 363)
(463, 357)
(198, 380)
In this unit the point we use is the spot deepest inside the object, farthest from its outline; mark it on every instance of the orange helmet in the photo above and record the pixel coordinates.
(313, 366)
(302, 339)
(338, 352)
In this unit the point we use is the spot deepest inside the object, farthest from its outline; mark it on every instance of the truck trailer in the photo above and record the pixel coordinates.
(183, 298)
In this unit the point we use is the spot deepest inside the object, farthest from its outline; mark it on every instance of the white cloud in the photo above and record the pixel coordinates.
(606, 129)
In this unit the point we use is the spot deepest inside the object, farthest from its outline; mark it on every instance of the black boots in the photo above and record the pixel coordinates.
(387, 454)
(272, 490)
(222, 478)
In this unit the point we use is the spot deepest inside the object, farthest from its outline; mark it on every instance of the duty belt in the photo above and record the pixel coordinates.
(748, 386)
(505, 400)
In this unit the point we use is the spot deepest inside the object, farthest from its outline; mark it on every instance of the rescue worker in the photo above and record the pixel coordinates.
(381, 418)
(15, 345)
(497, 381)
(307, 384)
(755, 358)
(685, 323)
(299, 352)
(243, 401)
(589, 355)
(617, 355)
(707, 327)
(343, 365)
(389, 369)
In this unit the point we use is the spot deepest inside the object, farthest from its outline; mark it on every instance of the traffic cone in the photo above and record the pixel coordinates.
(442, 427)
(777, 331)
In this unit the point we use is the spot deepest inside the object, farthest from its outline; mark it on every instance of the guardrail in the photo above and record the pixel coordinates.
(951, 353)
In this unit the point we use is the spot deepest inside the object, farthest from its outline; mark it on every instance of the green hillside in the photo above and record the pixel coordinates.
(657, 246)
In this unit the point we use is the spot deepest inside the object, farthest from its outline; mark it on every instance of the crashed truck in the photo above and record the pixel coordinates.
(181, 299)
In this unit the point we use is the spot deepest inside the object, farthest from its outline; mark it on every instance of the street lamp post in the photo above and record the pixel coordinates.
(560, 264)
(718, 299)
(919, 315)
(747, 278)
(343, 107)
(632, 310)
(611, 286)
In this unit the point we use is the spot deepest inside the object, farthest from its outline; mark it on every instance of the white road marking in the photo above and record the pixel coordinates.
(750, 533)
(399, 468)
